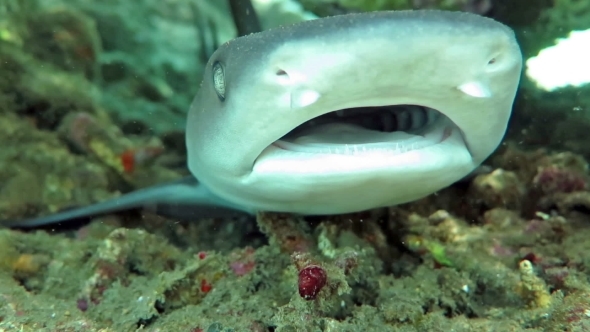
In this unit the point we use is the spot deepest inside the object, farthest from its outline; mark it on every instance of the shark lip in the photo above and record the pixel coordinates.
(393, 129)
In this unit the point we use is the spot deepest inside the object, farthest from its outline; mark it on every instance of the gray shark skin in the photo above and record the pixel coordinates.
(338, 115)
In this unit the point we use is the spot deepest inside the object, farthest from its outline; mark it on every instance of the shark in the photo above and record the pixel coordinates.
(338, 115)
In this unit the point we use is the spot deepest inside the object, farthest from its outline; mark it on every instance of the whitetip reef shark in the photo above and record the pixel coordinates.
(338, 115)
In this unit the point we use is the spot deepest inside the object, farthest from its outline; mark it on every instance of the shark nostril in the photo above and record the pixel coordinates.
(492, 61)
(283, 77)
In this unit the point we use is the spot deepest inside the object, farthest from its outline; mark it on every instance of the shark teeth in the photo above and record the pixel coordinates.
(344, 139)
(393, 118)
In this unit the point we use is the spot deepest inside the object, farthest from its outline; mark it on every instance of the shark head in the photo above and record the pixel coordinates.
(352, 112)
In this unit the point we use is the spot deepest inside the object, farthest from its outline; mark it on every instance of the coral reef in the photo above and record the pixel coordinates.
(507, 250)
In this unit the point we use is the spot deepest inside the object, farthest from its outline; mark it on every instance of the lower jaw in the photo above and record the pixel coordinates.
(308, 183)
(411, 143)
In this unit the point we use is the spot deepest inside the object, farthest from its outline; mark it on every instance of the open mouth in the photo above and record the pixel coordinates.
(395, 129)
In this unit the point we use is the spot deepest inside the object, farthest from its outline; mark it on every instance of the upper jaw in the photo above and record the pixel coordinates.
(300, 104)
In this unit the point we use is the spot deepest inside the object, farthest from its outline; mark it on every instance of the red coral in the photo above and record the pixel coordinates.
(532, 257)
(82, 304)
(311, 281)
(205, 286)
(134, 157)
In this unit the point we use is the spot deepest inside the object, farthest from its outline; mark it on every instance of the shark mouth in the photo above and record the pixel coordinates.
(392, 129)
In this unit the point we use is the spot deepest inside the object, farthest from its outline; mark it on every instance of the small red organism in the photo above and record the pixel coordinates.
(82, 304)
(205, 286)
(202, 255)
(131, 158)
(311, 281)
(531, 257)
(128, 161)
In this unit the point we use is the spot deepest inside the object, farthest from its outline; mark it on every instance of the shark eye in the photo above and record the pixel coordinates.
(219, 80)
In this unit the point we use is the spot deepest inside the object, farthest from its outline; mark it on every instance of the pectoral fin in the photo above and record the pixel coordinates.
(185, 199)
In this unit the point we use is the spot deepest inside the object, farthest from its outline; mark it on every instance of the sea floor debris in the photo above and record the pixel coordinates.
(464, 259)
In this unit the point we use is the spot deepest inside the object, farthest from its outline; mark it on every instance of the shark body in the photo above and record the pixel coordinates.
(338, 115)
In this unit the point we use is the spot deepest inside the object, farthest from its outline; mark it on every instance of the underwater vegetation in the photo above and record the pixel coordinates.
(93, 99)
